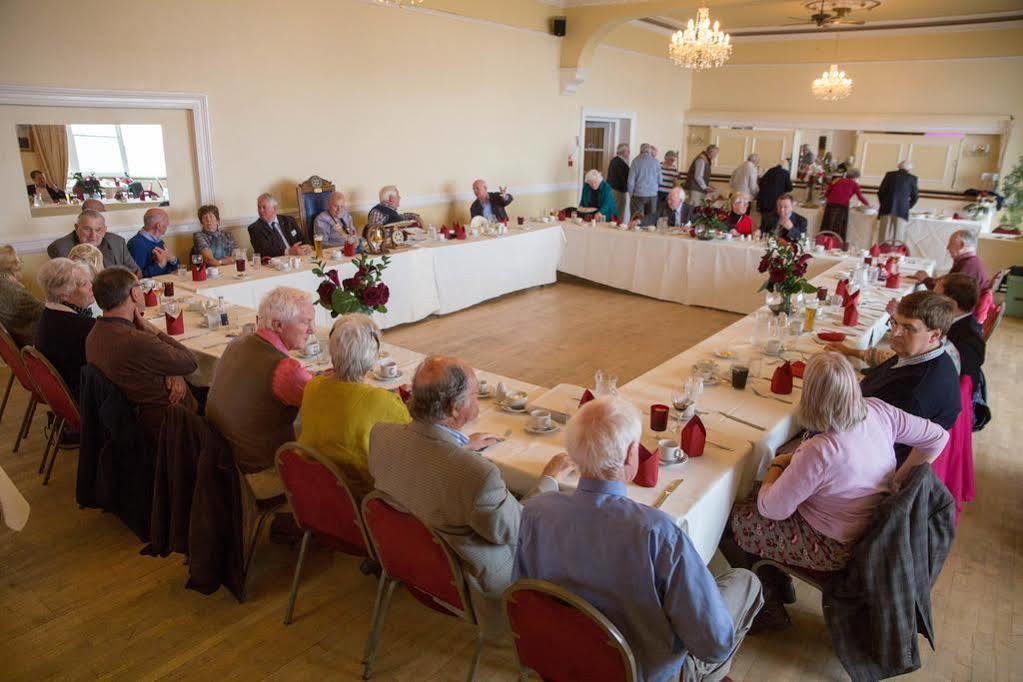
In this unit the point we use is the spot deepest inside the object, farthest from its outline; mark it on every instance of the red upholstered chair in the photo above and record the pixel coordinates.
(561, 637)
(52, 391)
(829, 240)
(994, 319)
(414, 556)
(894, 246)
(322, 505)
(11, 356)
(984, 305)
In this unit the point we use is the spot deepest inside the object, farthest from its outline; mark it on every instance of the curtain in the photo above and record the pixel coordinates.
(50, 142)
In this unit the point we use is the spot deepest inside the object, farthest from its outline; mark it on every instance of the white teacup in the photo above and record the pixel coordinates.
(819, 249)
(772, 346)
(669, 451)
(213, 273)
(540, 420)
(483, 387)
(517, 400)
(388, 368)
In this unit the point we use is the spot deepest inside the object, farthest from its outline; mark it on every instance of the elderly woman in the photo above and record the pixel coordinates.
(339, 410)
(816, 502)
(597, 194)
(89, 256)
(837, 197)
(737, 218)
(211, 242)
(67, 317)
(19, 310)
(258, 387)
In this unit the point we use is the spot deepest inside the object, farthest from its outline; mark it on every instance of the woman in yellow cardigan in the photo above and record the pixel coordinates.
(339, 410)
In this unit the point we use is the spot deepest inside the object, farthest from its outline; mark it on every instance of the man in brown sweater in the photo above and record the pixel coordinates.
(145, 363)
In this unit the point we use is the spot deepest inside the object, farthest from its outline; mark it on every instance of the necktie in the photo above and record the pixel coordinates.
(277, 230)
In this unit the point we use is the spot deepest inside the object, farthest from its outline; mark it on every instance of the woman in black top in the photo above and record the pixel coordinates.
(66, 320)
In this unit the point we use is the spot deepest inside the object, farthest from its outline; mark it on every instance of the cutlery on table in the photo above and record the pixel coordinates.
(771, 397)
(742, 421)
(668, 490)
(720, 446)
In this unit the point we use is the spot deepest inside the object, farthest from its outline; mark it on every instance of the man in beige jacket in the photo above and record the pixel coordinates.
(744, 177)
(437, 473)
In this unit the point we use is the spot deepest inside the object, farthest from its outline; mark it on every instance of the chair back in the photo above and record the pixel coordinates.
(954, 466)
(829, 240)
(994, 318)
(562, 637)
(894, 246)
(320, 499)
(985, 302)
(50, 387)
(410, 552)
(312, 200)
(999, 281)
(11, 355)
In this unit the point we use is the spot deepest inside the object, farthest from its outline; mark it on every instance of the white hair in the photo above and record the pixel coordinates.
(283, 304)
(678, 190)
(645, 147)
(832, 399)
(89, 256)
(593, 176)
(906, 165)
(599, 435)
(622, 146)
(967, 237)
(266, 196)
(387, 192)
(354, 346)
(60, 277)
(753, 158)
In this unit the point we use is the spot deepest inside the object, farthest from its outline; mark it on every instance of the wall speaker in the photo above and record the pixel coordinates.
(559, 26)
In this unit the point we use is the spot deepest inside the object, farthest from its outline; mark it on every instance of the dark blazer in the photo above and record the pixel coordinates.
(266, 241)
(775, 182)
(876, 606)
(55, 194)
(769, 225)
(618, 174)
(968, 338)
(60, 337)
(897, 194)
(665, 211)
(497, 205)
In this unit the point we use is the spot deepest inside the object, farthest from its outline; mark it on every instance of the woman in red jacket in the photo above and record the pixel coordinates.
(836, 211)
(737, 219)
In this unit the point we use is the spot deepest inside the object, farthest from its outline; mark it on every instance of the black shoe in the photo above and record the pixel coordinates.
(772, 618)
(787, 590)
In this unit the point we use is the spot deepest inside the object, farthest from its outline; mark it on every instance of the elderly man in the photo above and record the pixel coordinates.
(335, 225)
(275, 235)
(631, 561)
(94, 205)
(674, 210)
(644, 179)
(744, 178)
(455, 490)
(669, 176)
(965, 333)
(147, 365)
(783, 223)
(490, 205)
(91, 228)
(47, 192)
(698, 177)
(386, 211)
(897, 194)
(618, 178)
(962, 247)
(148, 248)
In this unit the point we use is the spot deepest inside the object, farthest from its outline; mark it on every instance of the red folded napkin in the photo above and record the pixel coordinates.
(587, 397)
(843, 288)
(646, 475)
(851, 316)
(404, 393)
(875, 250)
(175, 325)
(798, 367)
(693, 437)
(459, 232)
(781, 381)
(891, 266)
(151, 299)
(831, 336)
(199, 273)
(893, 281)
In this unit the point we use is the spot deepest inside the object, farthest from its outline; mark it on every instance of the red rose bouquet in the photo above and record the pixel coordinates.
(708, 220)
(363, 292)
(786, 267)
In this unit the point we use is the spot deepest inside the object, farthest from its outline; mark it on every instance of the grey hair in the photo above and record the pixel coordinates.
(967, 237)
(282, 304)
(10, 262)
(599, 435)
(151, 218)
(739, 195)
(337, 193)
(711, 147)
(852, 173)
(266, 196)
(832, 399)
(87, 255)
(753, 158)
(622, 146)
(593, 175)
(906, 165)
(678, 190)
(645, 147)
(354, 346)
(59, 278)
(89, 213)
(387, 192)
(434, 399)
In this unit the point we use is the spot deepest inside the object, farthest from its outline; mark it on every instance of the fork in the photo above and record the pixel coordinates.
(772, 397)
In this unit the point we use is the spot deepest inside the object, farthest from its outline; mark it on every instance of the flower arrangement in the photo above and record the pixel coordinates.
(708, 221)
(364, 292)
(86, 187)
(786, 266)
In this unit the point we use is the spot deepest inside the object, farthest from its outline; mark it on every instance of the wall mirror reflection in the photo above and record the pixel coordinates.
(122, 165)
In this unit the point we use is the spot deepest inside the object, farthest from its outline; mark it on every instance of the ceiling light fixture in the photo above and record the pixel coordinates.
(832, 86)
(700, 45)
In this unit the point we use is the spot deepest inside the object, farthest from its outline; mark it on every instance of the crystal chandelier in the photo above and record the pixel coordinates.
(832, 86)
(700, 46)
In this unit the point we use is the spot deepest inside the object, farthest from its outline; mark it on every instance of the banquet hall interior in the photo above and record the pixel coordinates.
(685, 212)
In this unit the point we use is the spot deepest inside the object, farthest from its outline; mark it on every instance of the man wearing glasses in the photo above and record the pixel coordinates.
(91, 228)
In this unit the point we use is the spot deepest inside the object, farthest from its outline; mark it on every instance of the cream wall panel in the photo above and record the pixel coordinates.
(878, 157)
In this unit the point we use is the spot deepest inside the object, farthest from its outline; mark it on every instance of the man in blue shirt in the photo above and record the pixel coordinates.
(631, 561)
(147, 247)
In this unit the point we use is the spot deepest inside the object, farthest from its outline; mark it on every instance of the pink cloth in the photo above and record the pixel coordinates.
(836, 479)
(955, 464)
(290, 377)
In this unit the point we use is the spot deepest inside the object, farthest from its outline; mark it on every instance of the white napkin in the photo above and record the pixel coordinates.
(13, 505)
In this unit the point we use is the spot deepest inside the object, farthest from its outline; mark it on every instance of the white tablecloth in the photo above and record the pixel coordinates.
(925, 237)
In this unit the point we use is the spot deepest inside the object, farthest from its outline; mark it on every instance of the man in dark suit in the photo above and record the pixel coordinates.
(490, 205)
(783, 223)
(897, 194)
(275, 235)
(775, 182)
(47, 191)
(965, 333)
(674, 209)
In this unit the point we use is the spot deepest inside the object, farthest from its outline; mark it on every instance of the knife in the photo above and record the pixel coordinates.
(742, 421)
(668, 490)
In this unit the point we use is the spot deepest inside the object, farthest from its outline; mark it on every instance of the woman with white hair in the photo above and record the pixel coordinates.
(19, 310)
(738, 219)
(88, 255)
(816, 502)
(597, 194)
(340, 409)
(258, 387)
(67, 317)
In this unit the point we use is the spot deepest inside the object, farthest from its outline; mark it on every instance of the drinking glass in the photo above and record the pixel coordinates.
(256, 261)
(239, 260)
(658, 417)
(740, 374)
(318, 246)
(811, 315)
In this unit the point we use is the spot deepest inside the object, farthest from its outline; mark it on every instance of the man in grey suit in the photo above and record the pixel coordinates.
(437, 473)
(91, 228)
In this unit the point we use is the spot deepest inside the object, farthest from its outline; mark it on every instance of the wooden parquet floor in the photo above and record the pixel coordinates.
(77, 601)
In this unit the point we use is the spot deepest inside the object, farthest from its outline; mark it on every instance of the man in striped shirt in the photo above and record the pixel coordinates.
(669, 176)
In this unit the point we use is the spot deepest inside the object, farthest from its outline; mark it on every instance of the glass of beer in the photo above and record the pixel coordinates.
(811, 316)
(318, 246)
(239, 260)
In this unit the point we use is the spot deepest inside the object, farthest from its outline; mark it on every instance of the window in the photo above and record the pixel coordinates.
(117, 150)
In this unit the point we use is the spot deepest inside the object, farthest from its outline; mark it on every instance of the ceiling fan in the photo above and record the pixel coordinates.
(835, 12)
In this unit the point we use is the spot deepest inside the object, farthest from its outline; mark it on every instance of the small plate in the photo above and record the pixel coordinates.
(387, 379)
(724, 354)
(514, 410)
(541, 432)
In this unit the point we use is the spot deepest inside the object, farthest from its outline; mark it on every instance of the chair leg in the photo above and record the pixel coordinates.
(476, 656)
(7, 395)
(294, 581)
(252, 550)
(26, 422)
(49, 444)
(56, 449)
(384, 592)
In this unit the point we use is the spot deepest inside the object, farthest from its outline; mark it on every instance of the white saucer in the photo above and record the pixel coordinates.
(541, 432)
(724, 354)
(514, 410)
(387, 379)
(483, 395)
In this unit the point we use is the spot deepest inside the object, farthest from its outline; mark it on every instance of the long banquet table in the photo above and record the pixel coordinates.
(736, 452)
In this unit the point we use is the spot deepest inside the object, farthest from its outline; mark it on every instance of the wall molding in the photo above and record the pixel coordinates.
(195, 103)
